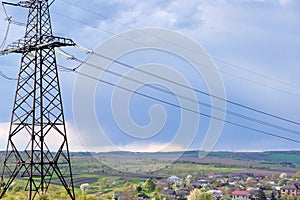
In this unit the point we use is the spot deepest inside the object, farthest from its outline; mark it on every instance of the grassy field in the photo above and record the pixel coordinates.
(286, 157)
(126, 165)
(121, 168)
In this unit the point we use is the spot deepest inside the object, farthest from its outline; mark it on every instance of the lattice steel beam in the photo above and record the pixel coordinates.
(37, 116)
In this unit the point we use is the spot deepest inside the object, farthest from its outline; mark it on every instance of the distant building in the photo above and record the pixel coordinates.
(214, 174)
(195, 184)
(169, 193)
(283, 176)
(216, 194)
(211, 175)
(181, 193)
(174, 179)
(84, 186)
(240, 195)
(290, 190)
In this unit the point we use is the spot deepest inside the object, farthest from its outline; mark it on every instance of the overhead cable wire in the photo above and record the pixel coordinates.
(131, 40)
(236, 114)
(258, 83)
(184, 86)
(7, 28)
(9, 22)
(187, 109)
(196, 90)
(82, 22)
(214, 58)
(7, 77)
(5, 36)
(9, 18)
(188, 99)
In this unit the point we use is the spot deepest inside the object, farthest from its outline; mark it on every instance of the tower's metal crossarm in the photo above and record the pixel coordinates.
(37, 149)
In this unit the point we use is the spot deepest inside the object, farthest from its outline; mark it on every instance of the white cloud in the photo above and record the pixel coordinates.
(74, 142)
(238, 32)
(285, 2)
(4, 128)
(281, 2)
(230, 30)
(152, 147)
(173, 14)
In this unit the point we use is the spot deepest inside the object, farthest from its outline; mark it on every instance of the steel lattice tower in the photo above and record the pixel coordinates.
(37, 149)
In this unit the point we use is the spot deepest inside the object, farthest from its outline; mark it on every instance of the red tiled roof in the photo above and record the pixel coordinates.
(239, 192)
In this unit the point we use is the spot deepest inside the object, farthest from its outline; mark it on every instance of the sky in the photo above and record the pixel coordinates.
(249, 50)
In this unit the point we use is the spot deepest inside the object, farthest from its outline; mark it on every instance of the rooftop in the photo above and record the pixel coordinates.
(240, 192)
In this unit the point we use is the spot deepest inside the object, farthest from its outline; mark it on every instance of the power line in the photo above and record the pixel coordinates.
(258, 83)
(196, 90)
(7, 77)
(178, 106)
(131, 40)
(186, 98)
(82, 22)
(5, 36)
(230, 112)
(214, 58)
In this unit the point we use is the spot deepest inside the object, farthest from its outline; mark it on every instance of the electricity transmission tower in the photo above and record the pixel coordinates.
(37, 149)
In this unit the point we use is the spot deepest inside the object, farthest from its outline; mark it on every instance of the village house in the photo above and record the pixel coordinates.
(84, 186)
(174, 180)
(182, 193)
(290, 190)
(216, 194)
(169, 193)
(240, 195)
(195, 184)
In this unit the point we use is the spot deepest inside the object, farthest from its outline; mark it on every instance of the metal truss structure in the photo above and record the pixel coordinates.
(37, 149)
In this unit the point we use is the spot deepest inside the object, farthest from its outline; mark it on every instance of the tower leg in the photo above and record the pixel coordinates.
(37, 149)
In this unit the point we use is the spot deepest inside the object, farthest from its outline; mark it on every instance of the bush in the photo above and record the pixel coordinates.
(44, 197)
(197, 194)
(15, 189)
(90, 197)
